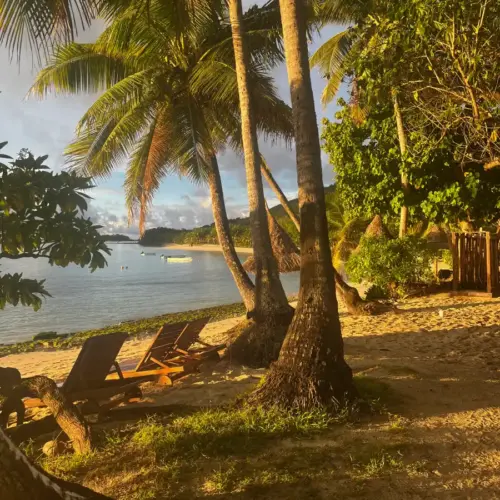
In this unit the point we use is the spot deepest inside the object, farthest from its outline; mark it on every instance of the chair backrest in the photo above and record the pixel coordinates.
(94, 362)
(190, 334)
(161, 346)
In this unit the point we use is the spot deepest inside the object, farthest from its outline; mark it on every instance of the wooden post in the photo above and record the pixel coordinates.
(454, 253)
(495, 262)
(489, 287)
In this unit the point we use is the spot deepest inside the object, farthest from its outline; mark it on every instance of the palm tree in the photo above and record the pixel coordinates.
(350, 295)
(171, 104)
(332, 58)
(271, 299)
(311, 369)
(266, 172)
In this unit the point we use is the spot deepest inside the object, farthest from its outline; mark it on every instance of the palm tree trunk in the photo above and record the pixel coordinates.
(403, 223)
(311, 369)
(21, 480)
(349, 294)
(270, 298)
(266, 172)
(243, 282)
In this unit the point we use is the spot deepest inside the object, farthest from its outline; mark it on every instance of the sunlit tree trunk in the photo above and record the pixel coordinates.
(270, 296)
(266, 172)
(241, 278)
(311, 369)
(403, 223)
(349, 294)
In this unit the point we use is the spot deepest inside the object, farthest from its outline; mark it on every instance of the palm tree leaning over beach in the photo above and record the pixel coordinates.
(170, 105)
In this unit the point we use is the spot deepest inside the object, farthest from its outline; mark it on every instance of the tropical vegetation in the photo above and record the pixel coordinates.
(416, 143)
(42, 217)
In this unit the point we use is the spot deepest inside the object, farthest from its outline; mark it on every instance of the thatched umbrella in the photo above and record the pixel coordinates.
(377, 228)
(285, 250)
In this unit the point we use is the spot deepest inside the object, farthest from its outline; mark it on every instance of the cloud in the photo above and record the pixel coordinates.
(47, 126)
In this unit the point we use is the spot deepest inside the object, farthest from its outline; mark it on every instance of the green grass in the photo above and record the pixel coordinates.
(217, 432)
(245, 452)
(200, 449)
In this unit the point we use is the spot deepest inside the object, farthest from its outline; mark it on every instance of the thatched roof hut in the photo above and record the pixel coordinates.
(377, 228)
(285, 250)
(436, 237)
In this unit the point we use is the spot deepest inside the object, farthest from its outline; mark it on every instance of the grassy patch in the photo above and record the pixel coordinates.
(219, 432)
(243, 452)
(204, 451)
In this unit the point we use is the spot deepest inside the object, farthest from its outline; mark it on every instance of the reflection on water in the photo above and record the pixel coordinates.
(149, 287)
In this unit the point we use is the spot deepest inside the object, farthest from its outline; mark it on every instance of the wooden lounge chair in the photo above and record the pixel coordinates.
(191, 335)
(87, 379)
(171, 348)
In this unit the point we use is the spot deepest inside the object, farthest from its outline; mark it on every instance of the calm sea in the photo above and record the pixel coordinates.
(82, 300)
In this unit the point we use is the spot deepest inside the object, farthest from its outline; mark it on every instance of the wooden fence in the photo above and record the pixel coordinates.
(476, 262)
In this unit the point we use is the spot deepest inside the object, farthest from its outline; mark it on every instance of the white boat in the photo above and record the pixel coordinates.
(177, 258)
(143, 254)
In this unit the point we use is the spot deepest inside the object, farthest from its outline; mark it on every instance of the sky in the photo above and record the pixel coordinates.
(47, 126)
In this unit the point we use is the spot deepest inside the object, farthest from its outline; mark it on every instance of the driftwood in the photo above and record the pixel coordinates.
(65, 413)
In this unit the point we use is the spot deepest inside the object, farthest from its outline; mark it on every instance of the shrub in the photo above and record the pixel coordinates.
(391, 264)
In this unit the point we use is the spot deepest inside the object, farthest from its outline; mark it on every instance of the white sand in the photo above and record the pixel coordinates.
(205, 248)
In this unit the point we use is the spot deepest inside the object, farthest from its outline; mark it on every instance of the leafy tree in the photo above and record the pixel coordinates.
(336, 59)
(366, 160)
(41, 219)
(441, 58)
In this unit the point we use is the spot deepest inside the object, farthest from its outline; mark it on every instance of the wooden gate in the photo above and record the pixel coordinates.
(476, 262)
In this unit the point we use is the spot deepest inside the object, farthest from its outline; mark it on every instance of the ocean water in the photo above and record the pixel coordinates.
(82, 300)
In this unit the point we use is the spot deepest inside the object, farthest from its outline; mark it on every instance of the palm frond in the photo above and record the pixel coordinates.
(340, 11)
(41, 24)
(330, 59)
(98, 150)
(78, 68)
(149, 163)
(121, 97)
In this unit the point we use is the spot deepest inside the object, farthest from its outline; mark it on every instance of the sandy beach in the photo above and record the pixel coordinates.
(438, 356)
(205, 248)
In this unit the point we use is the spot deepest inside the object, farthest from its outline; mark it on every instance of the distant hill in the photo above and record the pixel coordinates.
(115, 237)
(240, 229)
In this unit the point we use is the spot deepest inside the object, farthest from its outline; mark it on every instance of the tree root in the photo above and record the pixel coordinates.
(257, 343)
(355, 304)
(292, 390)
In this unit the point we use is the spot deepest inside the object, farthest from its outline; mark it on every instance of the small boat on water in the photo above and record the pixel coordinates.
(177, 258)
(143, 254)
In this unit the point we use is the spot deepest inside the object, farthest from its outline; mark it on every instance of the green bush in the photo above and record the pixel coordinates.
(45, 336)
(376, 292)
(391, 264)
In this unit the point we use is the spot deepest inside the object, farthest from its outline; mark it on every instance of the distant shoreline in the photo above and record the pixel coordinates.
(205, 248)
